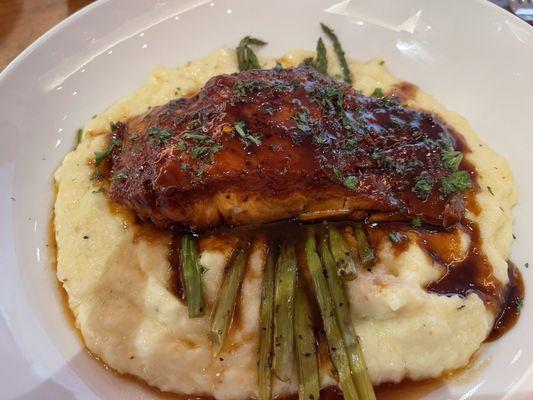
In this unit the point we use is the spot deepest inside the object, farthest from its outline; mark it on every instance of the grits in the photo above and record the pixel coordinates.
(118, 280)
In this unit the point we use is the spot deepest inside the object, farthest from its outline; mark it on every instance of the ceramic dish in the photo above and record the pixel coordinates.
(472, 56)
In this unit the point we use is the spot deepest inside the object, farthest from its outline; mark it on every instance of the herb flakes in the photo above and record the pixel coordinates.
(246, 138)
(351, 182)
(100, 156)
(452, 159)
(423, 186)
(96, 175)
(416, 222)
(396, 237)
(457, 182)
(120, 175)
(159, 135)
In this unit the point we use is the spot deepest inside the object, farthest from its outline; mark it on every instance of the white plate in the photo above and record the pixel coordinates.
(474, 57)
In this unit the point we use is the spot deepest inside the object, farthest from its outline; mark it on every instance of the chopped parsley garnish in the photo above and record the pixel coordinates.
(397, 122)
(349, 144)
(388, 103)
(377, 154)
(199, 151)
(526, 265)
(268, 110)
(246, 138)
(452, 159)
(326, 97)
(351, 182)
(99, 156)
(120, 175)
(378, 92)
(79, 134)
(196, 136)
(490, 190)
(181, 146)
(96, 175)
(416, 222)
(303, 120)
(519, 303)
(457, 182)
(159, 135)
(423, 186)
(339, 52)
(112, 126)
(245, 55)
(395, 237)
(332, 99)
(133, 137)
(382, 62)
(321, 138)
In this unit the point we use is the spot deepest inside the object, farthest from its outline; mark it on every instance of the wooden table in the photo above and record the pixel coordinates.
(23, 21)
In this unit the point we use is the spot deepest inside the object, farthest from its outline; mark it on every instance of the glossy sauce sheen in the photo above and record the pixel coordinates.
(276, 144)
(462, 274)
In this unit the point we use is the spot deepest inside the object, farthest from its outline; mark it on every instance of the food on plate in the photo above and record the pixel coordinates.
(242, 227)
(267, 145)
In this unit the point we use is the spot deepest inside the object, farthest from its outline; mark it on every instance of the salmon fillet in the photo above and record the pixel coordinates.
(267, 145)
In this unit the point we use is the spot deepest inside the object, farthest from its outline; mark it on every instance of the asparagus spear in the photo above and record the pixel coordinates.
(192, 277)
(283, 313)
(337, 350)
(265, 335)
(321, 57)
(340, 53)
(341, 253)
(363, 248)
(246, 57)
(227, 296)
(306, 352)
(358, 369)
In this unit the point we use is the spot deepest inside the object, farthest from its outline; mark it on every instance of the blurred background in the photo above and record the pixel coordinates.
(23, 21)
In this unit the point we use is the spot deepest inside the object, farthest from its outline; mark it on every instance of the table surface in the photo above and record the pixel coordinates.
(23, 21)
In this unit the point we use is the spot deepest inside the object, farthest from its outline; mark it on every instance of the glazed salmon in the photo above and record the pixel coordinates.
(267, 145)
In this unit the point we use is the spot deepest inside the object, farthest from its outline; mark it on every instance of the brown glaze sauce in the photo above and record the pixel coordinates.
(511, 306)
(464, 271)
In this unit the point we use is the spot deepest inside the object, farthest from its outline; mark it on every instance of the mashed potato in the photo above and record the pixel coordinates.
(118, 279)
